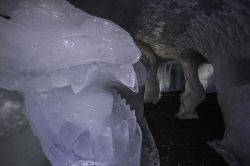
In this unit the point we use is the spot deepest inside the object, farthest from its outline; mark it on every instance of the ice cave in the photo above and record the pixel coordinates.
(124, 83)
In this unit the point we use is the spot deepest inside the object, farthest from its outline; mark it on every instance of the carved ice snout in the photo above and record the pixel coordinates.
(67, 62)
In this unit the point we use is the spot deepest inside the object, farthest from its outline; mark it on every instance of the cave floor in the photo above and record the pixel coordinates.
(184, 142)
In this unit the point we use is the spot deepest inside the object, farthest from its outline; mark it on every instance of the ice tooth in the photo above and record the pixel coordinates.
(121, 138)
(76, 88)
(84, 145)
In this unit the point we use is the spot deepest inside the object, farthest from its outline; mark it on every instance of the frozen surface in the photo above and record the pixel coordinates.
(136, 100)
(180, 73)
(67, 64)
(149, 60)
(171, 77)
(206, 77)
(223, 38)
(12, 118)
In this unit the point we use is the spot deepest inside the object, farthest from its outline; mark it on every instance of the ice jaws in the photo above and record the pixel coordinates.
(65, 62)
(103, 75)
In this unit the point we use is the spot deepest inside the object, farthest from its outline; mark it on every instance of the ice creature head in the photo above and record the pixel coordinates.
(67, 63)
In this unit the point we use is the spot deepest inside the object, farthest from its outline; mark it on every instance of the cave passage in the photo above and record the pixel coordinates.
(183, 142)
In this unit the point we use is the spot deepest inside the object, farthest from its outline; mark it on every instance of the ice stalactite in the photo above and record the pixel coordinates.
(158, 26)
(68, 66)
(223, 38)
(162, 43)
(194, 92)
(149, 59)
(171, 77)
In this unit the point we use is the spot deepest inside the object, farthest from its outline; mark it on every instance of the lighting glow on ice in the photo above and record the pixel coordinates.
(68, 64)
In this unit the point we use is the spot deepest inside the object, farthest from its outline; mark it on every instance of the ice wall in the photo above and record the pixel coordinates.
(189, 60)
(194, 92)
(206, 77)
(171, 77)
(149, 60)
(68, 64)
(223, 38)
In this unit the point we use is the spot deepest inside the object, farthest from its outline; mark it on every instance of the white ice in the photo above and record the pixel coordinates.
(171, 77)
(67, 64)
(206, 77)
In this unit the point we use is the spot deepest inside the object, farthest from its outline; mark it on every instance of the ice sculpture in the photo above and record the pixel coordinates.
(136, 100)
(68, 64)
(157, 26)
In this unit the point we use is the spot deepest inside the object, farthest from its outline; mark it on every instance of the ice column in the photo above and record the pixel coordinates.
(225, 43)
(171, 77)
(149, 60)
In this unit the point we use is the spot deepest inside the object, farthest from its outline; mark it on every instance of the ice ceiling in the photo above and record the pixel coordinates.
(192, 33)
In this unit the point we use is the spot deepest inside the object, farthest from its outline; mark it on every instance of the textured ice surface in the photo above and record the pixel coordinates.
(12, 118)
(225, 43)
(206, 77)
(149, 60)
(136, 100)
(171, 76)
(67, 64)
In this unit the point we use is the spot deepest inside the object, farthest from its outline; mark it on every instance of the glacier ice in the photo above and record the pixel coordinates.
(206, 77)
(171, 77)
(194, 92)
(149, 60)
(68, 65)
(190, 73)
(223, 38)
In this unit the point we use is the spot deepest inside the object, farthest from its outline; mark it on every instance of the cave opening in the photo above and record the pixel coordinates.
(184, 141)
